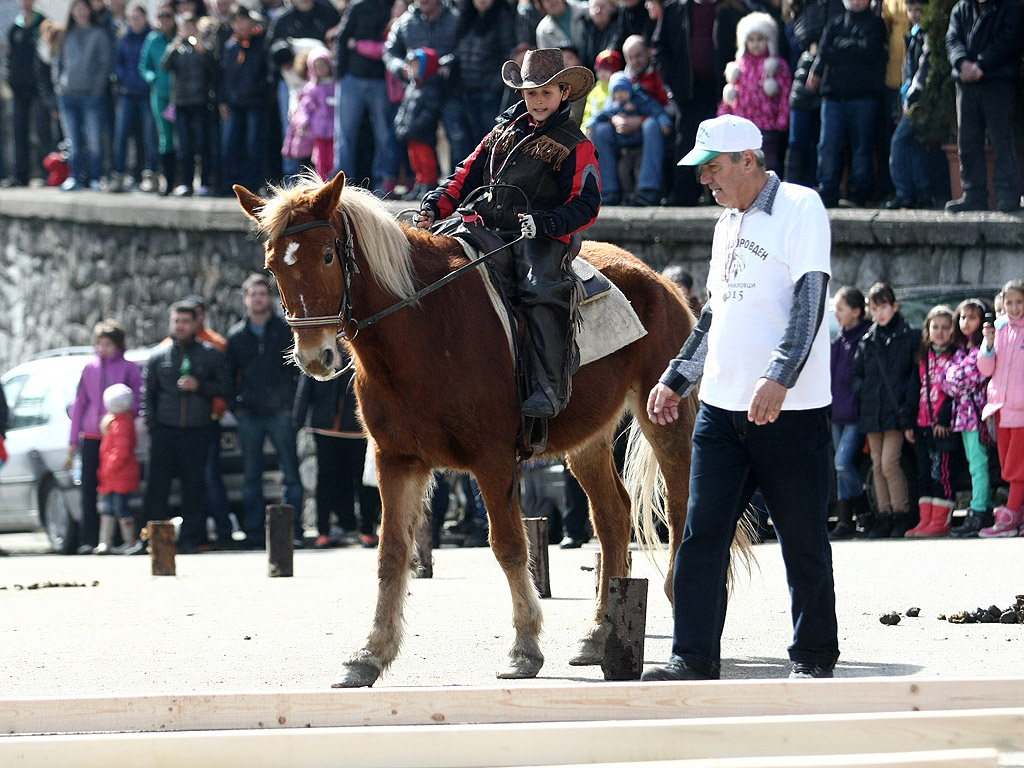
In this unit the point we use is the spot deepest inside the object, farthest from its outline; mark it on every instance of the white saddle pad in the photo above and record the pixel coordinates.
(609, 322)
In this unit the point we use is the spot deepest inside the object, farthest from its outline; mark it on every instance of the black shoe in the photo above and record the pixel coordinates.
(538, 406)
(897, 203)
(804, 671)
(1008, 206)
(645, 198)
(969, 528)
(965, 204)
(882, 529)
(674, 670)
(841, 531)
(568, 542)
(611, 198)
(901, 523)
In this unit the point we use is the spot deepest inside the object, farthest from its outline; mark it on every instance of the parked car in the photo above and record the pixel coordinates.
(36, 489)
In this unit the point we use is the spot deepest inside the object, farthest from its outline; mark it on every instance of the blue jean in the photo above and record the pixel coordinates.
(847, 440)
(908, 164)
(850, 121)
(82, 117)
(480, 110)
(354, 97)
(801, 155)
(607, 142)
(788, 461)
(290, 165)
(252, 431)
(117, 505)
(135, 120)
(243, 142)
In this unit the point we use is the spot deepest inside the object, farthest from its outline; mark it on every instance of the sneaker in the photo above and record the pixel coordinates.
(804, 671)
(182, 190)
(322, 541)
(846, 202)
(70, 184)
(675, 670)
(368, 540)
(1007, 525)
(149, 182)
(96, 185)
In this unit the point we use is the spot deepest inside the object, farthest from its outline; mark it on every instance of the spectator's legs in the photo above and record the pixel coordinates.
(330, 487)
(977, 460)
(163, 465)
(282, 434)
(908, 164)
(860, 117)
(251, 434)
(72, 115)
(651, 158)
(185, 146)
(149, 137)
(606, 143)
(89, 530)
(350, 104)
(457, 131)
(802, 154)
(290, 165)
(576, 517)
(830, 150)
(124, 125)
(369, 496)
(997, 98)
(847, 441)
(970, 118)
(203, 143)
(192, 445)
(255, 138)
(377, 103)
(22, 139)
(94, 111)
(480, 110)
(216, 493)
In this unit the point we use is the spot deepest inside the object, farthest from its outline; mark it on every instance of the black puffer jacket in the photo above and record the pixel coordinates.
(262, 377)
(890, 349)
(852, 57)
(989, 34)
(166, 405)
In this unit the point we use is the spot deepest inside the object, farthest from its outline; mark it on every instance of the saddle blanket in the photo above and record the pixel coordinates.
(609, 321)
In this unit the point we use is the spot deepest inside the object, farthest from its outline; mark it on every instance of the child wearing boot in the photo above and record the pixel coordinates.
(1002, 358)
(932, 437)
(966, 385)
(881, 369)
(847, 440)
(535, 146)
(118, 473)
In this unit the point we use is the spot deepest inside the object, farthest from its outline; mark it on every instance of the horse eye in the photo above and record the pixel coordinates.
(328, 254)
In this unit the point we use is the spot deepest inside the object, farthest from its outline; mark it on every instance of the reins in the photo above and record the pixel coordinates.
(346, 251)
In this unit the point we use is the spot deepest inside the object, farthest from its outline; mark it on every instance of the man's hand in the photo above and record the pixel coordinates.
(626, 125)
(425, 219)
(663, 405)
(766, 404)
(188, 383)
(528, 225)
(970, 72)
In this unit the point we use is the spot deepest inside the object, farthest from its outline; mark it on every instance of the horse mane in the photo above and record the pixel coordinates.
(381, 239)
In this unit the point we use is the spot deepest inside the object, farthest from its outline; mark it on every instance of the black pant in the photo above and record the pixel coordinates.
(28, 109)
(339, 480)
(980, 107)
(686, 186)
(179, 452)
(89, 531)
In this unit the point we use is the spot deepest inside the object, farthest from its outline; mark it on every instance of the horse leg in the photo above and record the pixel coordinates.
(402, 487)
(594, 467)
(508, 542)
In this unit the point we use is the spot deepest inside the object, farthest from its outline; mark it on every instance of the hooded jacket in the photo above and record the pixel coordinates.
(891, 349)
(99, 373)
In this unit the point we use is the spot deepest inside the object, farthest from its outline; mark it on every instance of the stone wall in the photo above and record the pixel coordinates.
(68, 260)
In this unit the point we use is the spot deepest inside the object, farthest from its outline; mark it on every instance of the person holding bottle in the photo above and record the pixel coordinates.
(183, 376)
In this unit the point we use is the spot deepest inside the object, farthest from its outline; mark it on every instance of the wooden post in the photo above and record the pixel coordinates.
(424, 539)
(162, 548)
(597, 568)
(280, 539)
(537, 537)
(627, 615)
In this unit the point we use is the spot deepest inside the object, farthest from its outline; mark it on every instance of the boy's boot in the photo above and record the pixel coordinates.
(882, 526)
(901, 523)
(969, 528)
(939, 525)
(1006, 525)
(924, 514)
(132, 544)
(108, 524)
(844, 527)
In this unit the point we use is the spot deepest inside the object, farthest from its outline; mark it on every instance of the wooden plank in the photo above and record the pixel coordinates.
(162, 549)
(524, 703)
(518, 744)
(627, 615)
(960, 758)
(280, 531)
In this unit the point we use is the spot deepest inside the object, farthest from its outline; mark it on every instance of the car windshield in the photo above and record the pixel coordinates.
(29, 410)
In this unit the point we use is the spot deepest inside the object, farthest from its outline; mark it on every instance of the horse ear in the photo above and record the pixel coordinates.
(250, 203)
(328, 198)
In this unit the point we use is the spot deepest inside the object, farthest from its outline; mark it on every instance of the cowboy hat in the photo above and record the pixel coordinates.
(544, 66)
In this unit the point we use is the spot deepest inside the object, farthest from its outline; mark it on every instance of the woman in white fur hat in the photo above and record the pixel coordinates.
(758, 83)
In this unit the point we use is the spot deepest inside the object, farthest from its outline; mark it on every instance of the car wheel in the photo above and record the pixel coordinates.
(61, 527)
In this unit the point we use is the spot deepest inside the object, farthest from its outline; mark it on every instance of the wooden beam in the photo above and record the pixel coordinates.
(960, 758)
(530, 744)
(524, 703)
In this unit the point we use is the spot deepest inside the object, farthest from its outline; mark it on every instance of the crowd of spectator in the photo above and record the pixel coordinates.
(196, 98)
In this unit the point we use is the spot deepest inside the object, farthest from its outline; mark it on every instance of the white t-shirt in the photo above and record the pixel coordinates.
(756, 260)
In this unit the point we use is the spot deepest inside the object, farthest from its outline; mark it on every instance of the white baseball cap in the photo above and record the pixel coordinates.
(727, 133)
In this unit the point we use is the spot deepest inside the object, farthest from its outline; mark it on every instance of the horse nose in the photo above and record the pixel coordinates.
(327, 356)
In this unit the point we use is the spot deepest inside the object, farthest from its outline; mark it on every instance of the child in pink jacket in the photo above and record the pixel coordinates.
(758, 85)
(1002, 358)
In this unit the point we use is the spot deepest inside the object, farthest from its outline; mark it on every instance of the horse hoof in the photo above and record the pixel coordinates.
(589, 654)
(361, 671)
(519, 669)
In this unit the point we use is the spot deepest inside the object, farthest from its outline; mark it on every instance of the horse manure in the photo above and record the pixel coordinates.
(995, 611)
(890, 619)
(962, 617)
(913, 613)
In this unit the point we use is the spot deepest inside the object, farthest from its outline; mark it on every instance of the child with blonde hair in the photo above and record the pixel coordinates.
(119, 472)
(758, 83)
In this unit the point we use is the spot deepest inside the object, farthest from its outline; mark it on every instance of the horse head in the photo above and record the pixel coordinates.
(321, 248)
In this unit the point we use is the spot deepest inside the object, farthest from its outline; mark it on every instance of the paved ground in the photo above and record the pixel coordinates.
(221, 624)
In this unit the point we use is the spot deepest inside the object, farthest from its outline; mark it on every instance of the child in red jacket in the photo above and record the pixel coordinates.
(118, 473)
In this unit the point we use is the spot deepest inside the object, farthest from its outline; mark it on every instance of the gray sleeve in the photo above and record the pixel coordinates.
(810, 298)
(687, 367)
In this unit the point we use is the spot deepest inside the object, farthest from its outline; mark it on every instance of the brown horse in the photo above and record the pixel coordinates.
(436, 388)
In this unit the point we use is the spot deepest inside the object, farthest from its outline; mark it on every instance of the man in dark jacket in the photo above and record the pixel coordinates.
(183, 377)
(361, 91)
(243, 92)
(983, 43)
(33, 95)
(263, 392)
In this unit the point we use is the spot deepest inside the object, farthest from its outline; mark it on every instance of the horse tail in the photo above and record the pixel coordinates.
(646, 487)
